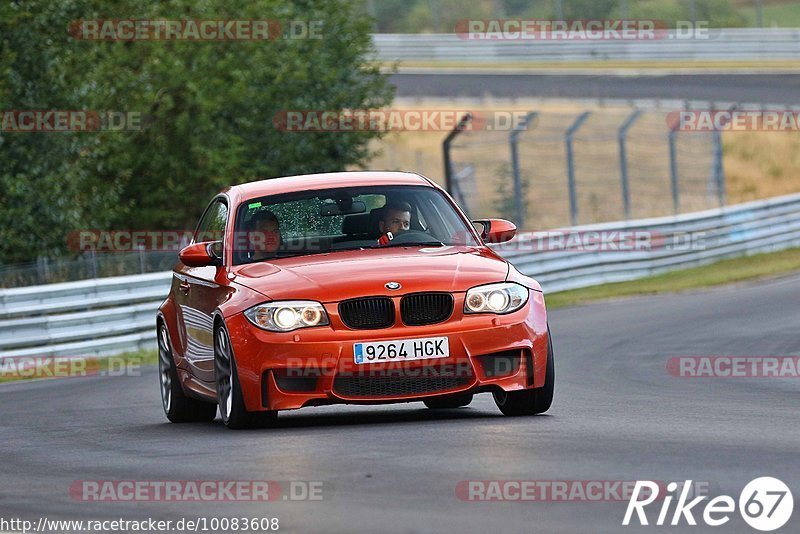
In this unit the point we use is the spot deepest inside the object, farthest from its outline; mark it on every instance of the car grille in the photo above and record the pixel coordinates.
(426, 308)
(387, 386)
(367, 313)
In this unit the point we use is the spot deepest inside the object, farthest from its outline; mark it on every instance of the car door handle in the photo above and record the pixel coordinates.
(184, 287)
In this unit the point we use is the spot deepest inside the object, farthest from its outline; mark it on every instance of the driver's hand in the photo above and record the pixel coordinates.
(385, 239)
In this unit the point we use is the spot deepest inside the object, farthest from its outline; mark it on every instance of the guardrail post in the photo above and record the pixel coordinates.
(673, 171)
(573, 196)
(448, 166)
(513, 139)
(623, 161)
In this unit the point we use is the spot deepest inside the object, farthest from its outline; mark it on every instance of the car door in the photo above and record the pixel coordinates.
(200, 291)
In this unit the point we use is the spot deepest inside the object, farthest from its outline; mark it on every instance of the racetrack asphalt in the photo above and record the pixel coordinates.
(781, 89)
(618, 415)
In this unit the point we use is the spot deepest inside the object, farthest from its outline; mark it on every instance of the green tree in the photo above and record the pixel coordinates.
(209, 109)
(38, 69)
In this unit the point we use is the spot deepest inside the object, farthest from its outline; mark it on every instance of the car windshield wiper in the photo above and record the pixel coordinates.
(414, 244)
(354, 247)
(316, 252)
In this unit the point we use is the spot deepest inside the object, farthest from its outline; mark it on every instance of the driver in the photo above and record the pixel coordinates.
(265, 237)
(396, 220)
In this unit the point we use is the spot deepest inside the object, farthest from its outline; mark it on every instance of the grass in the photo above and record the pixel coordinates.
(780, 15)
(761, 164)
(723, 272)
(126, 364)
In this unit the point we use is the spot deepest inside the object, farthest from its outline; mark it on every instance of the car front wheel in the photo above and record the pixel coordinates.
(229, 392)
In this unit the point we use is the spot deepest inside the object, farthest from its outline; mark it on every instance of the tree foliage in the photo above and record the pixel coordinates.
(208, 111)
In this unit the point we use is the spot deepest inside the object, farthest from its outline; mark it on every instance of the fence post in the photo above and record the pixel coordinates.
(93, 256)
(448, 167)
(673, 171)
(623, 161)
(573, 196)
(719, 173)
(513, 139)
(46, 264)
(141, 259)
(40, 270)
(759, 14)
(458, 193)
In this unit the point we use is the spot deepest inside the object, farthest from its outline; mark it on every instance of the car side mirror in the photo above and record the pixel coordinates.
(497, 230)
(202, 254)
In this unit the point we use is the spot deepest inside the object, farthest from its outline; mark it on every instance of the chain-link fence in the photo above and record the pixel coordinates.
(88, 265)
(565, 168)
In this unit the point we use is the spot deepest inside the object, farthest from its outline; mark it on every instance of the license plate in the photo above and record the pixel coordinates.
(426, 348)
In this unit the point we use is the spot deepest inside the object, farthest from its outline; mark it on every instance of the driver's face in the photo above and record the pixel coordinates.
(267, 237)
(396, 221)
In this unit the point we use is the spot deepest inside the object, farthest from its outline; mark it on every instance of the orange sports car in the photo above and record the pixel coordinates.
(353, 288)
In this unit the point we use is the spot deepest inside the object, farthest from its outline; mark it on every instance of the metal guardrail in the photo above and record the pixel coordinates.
(112, 315)
(90, 317)
(736, 44)
(742, 229)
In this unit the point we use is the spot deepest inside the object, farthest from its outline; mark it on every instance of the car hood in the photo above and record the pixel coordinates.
(342, 275)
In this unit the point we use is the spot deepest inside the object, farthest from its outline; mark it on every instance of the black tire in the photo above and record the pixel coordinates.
(177, 406)
(530, 401)
(229, 393)
(449, 402)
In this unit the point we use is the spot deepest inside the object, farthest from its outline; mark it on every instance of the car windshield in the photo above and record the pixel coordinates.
(330, 220)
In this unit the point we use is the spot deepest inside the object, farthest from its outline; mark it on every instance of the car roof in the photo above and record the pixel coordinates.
(330, 180)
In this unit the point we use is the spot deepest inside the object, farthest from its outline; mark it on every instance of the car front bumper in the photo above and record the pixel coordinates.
(315, 366)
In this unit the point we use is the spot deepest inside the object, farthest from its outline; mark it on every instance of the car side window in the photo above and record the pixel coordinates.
(212, 224)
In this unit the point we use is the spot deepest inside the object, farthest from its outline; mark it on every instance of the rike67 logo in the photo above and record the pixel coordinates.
(765, 504)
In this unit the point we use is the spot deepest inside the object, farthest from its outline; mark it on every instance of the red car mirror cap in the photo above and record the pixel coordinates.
(497, 230)
(199, 255)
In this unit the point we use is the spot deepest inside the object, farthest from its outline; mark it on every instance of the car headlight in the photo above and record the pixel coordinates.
(285, 316)
(500, 298)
